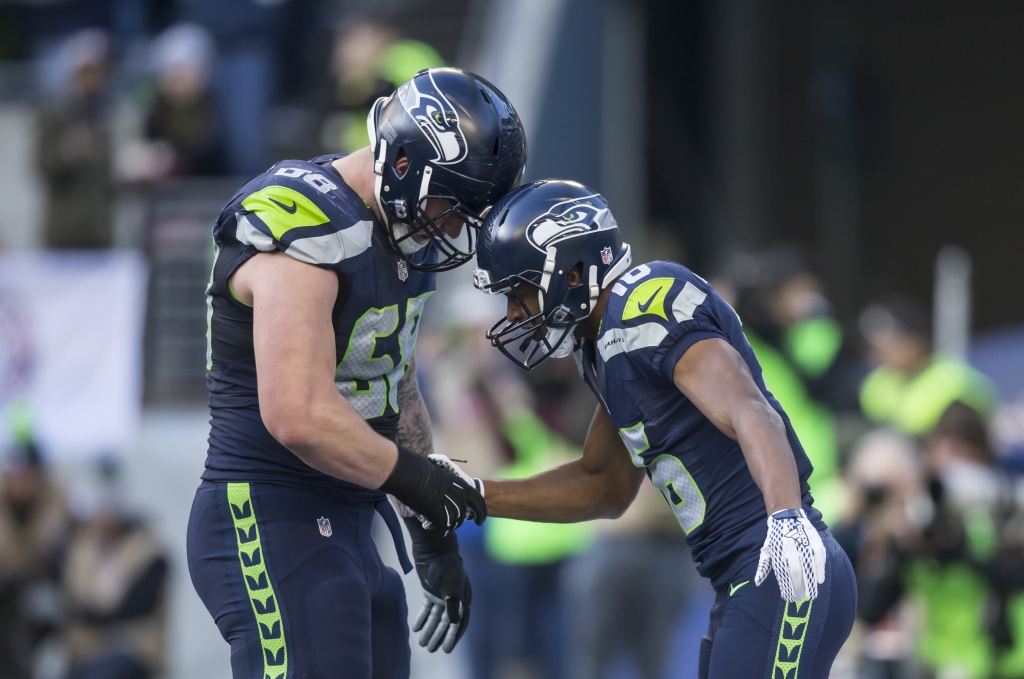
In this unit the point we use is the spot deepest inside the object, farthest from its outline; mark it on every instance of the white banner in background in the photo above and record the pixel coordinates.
(71, 348)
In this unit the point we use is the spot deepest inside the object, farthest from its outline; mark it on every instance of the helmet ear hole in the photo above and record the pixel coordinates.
(401, 162)
(497, 146)
(575, 275)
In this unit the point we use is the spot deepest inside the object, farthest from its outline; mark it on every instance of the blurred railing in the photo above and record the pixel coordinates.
(179, 222)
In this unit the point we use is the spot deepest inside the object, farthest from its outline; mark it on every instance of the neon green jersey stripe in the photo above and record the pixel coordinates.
(283, 209)
(265, 604)
(795, 620)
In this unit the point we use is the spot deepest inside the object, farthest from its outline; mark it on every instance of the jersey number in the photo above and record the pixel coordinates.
(670, 477)
(370, 381)
(314, 179)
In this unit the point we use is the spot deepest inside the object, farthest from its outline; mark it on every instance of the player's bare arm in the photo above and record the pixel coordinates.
(714, 377)
(599, 485)
(414, 430)
(295, 360)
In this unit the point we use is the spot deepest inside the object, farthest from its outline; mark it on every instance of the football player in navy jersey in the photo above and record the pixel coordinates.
(321, 273)
(682, 402)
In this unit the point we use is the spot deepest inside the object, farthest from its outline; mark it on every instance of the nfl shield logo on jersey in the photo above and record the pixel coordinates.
(606, 255)
(325, 527)
(403, 270)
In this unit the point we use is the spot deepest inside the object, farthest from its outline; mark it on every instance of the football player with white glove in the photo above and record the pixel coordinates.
(683, 403)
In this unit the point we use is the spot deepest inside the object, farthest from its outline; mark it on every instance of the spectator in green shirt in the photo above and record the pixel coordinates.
(912, 387)
(370, 60)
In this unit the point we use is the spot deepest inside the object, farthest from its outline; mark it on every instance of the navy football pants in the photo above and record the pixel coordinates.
(290, 600)
(754, 634)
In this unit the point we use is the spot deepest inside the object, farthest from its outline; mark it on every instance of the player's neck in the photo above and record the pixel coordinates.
(357, 171)
(591, 325)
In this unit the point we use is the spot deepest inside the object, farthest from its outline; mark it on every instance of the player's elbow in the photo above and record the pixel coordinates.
(757, 414)
(616, 500)
(614, 509)
(290, 429)
(292, 436)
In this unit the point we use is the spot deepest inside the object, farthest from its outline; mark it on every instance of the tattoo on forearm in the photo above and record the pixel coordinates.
(414, 420)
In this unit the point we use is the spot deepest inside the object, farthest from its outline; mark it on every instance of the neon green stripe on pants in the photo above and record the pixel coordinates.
(795, 620)
(265, 604)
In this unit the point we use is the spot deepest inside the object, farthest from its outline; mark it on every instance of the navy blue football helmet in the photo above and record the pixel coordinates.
(535, 236)
(464, 143)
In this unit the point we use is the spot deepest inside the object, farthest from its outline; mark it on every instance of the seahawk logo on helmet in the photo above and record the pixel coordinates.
(532, 240)
(437, 118)
(567, 219)
(465, 148)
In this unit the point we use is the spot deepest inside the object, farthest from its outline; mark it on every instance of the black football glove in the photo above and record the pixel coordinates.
(445, 614)
(434, 492)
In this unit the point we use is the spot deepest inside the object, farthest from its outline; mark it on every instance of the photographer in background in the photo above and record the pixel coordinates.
(886, 497)
(953, 550)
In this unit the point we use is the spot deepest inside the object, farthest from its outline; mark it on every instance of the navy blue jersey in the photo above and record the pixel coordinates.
(306, 211)
(655, 313)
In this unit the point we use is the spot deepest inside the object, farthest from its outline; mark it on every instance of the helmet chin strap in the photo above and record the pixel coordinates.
(595, 289)
(428, 172)
(378, 170)
(409, 245)
(399, 229)
(545, 280)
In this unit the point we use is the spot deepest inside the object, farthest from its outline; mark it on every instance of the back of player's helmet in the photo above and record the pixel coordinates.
(464, 144)
(534, 237)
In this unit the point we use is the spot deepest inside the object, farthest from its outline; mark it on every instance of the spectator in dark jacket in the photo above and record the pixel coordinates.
(185, 114)
(114, 582)
(34, 525)
(74, 148)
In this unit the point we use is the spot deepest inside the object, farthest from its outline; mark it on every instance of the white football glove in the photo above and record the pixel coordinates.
(446, 462)
(795, 551)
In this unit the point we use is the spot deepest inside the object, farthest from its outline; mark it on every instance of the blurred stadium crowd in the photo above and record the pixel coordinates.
(165, 91)
(916, 469)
